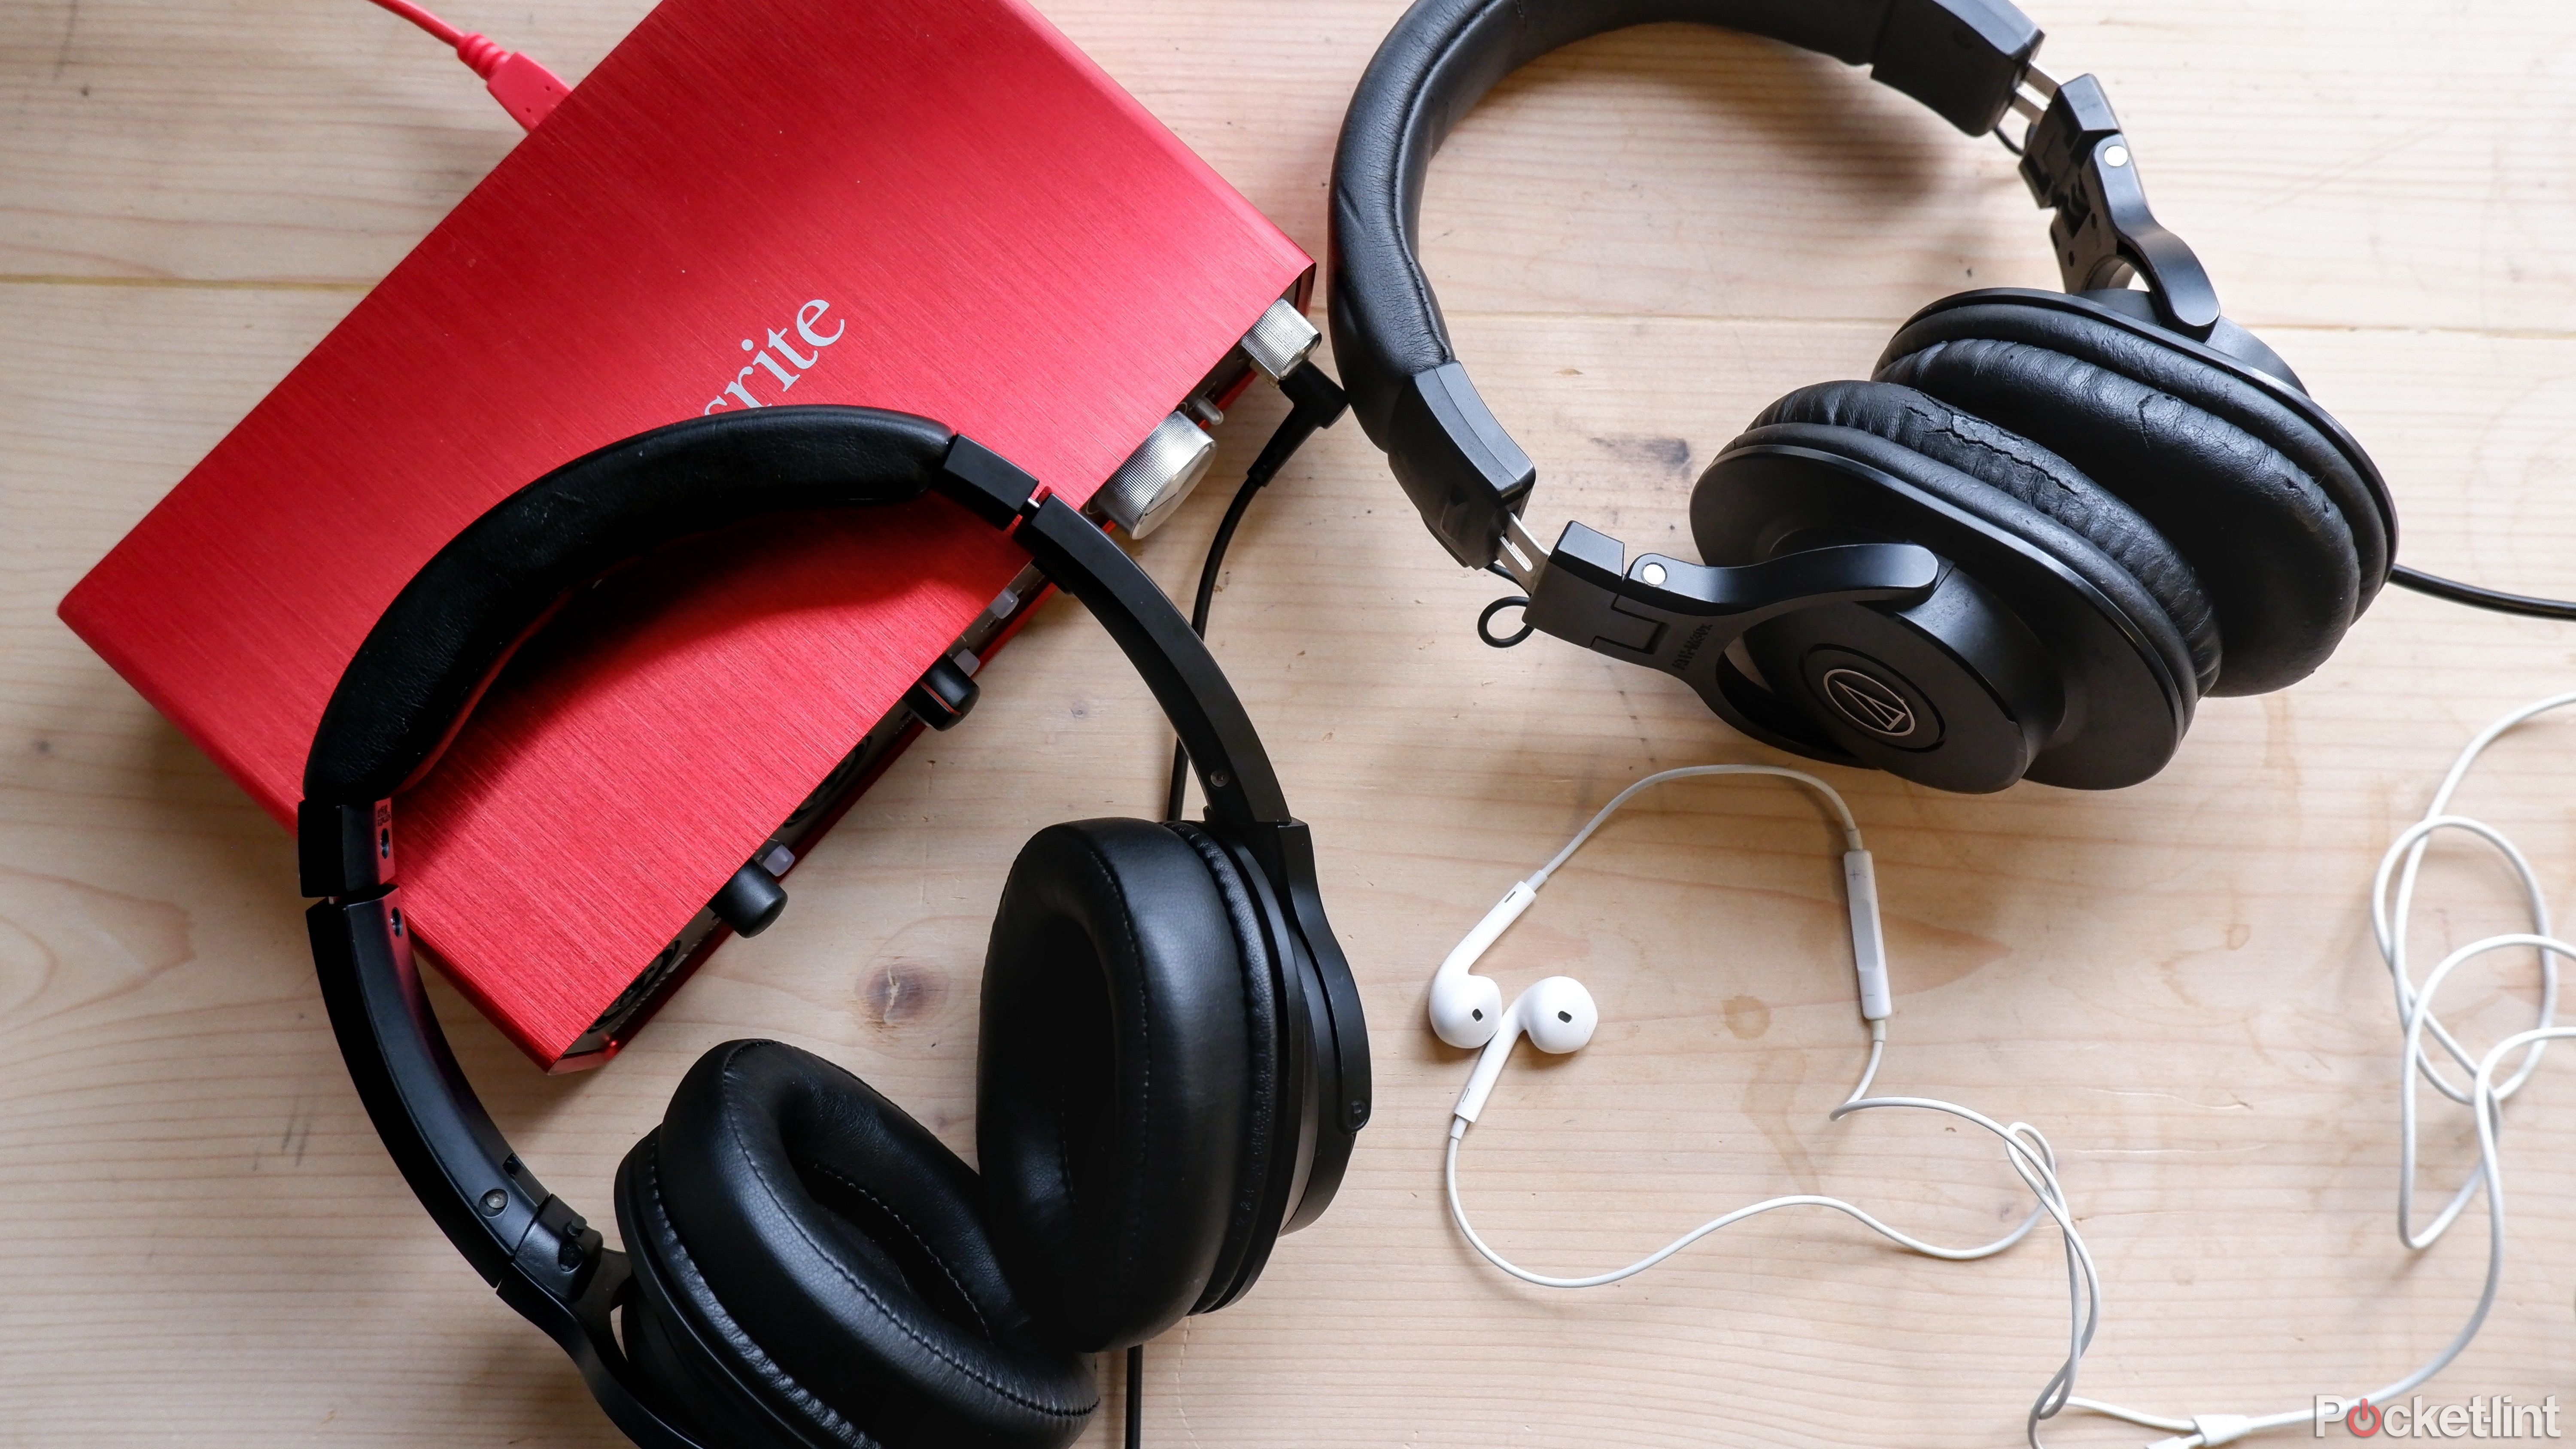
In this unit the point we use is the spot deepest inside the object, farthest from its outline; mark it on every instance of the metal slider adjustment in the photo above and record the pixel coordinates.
(2032, 94)
(1522, 555)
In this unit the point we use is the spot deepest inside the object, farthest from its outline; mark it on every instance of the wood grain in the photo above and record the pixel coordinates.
(1639, 243)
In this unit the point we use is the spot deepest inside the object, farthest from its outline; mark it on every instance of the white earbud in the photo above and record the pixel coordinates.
(1467, 1009)
(1558, 1016)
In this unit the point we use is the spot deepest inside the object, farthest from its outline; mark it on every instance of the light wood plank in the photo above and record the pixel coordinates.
(1641, 243)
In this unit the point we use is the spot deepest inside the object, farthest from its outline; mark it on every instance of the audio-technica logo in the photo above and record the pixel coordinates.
(2483, 1417)
(1869, 703)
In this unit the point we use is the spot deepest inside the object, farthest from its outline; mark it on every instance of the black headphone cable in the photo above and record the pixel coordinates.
(2479, 598)
(1135, 1395)
(1314, 401)
(2434, 585)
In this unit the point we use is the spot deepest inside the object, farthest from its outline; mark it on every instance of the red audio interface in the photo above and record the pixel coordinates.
(938, 206)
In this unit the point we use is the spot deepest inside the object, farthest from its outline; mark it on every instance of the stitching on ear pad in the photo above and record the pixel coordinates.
(2223, 472)
(1996, 507)
(667, 1288)
(843, 1244)
(1236, 1261)
(1112, 1079)
(2030, 474)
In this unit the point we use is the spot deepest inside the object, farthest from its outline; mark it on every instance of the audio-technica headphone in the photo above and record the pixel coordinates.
(1172, 1063)
(2049, 525)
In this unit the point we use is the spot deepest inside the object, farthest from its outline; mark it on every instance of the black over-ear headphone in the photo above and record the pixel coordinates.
(2049, 525)
(1172, 1063)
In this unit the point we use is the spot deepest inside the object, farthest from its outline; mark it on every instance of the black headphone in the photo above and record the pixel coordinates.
(1172, 1063)
(2048, 527)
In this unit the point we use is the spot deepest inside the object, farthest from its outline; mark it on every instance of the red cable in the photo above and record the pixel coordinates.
(424, 20)
(526, 89)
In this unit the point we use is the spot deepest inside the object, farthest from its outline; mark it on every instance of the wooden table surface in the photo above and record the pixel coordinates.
(1639, 242)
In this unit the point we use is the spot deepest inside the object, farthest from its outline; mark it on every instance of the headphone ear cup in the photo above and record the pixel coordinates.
(2282, 529)
(1125, 1101)
(812, 1269)
(2041, 481)
(2038, 655)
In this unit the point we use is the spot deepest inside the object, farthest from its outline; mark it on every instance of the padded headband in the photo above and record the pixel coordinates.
(438, 643)
(1962, 58)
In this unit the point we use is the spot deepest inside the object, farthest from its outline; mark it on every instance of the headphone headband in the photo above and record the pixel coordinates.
(1962, 58)
(439, 642)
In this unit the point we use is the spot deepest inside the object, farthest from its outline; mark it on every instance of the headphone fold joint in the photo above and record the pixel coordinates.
(2077, 163)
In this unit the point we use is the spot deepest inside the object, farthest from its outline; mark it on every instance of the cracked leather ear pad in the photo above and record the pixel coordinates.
(438, 642)
(1827, 420)
(832, 1251)
(1117, 1078)
(2031, 475)
(2281, 530)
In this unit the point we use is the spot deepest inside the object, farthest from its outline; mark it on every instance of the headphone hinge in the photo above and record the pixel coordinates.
(2078, 164)
(1679, 617)
(344, 850)
(558, 1251)
(991, 487)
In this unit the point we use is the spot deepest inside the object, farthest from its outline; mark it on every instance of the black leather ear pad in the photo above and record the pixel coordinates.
(440, 639)
(1851, 419)
(1122, 1078)
(2282, 531)
(1257, 1208)
(2031, 475)
(832, 1252)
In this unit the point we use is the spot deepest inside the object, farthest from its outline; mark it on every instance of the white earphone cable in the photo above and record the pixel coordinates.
(2392, 900)
(1851, 827)
(2032, 1159)
(2025, 1149)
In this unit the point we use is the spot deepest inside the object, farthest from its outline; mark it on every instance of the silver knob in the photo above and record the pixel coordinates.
(1157, 476)
(1280, 340)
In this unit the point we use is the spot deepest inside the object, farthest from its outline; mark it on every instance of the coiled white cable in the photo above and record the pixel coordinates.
(2392, 900)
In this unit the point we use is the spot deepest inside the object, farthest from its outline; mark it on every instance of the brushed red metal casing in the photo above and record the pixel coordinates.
(1013, 246)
